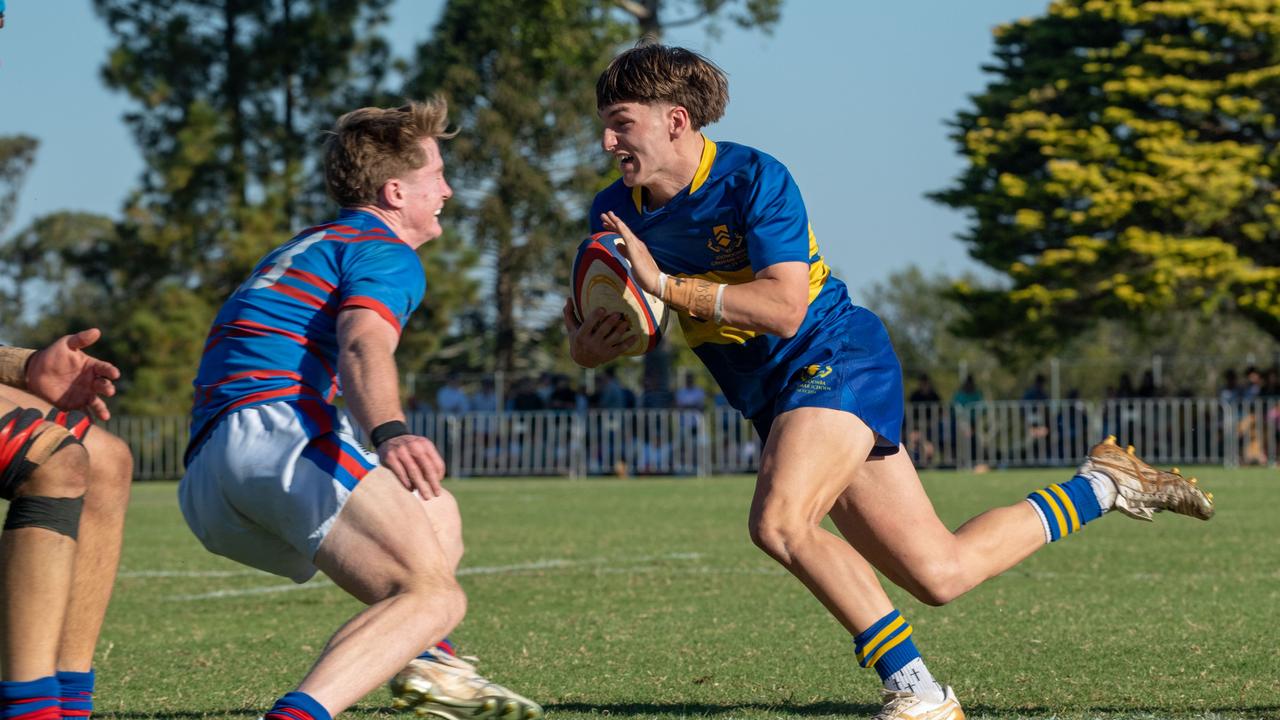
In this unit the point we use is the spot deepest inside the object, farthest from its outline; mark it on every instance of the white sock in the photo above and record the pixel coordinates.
(1104, 488)
(916, 678)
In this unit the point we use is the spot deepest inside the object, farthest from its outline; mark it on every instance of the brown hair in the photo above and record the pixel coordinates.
(369, 146)
(651, 73)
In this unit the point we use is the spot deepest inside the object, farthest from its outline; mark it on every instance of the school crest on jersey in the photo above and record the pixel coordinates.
(727, 247)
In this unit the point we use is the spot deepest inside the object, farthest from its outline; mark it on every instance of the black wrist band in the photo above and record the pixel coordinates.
(386, 431)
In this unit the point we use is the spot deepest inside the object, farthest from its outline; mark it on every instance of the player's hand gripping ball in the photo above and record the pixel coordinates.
(602, 279)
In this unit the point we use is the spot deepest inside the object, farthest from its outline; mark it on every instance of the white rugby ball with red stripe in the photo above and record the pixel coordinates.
(602, 279)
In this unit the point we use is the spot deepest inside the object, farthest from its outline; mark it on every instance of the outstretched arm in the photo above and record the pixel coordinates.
(63, 375)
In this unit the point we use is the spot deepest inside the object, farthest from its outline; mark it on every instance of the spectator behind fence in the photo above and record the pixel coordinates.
(485, 400)
(1252, 384)
(924, 391)
(450, 399)
(610, 395)
(691, 396)
(1271, 385)
(525, 397)
(968, 394)
(1037, 390)
(1125, 387)
(1230, 390)
(563, 396)
(1147, 388)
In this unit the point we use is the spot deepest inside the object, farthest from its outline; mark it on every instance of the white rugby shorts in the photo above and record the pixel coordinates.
(267, 484)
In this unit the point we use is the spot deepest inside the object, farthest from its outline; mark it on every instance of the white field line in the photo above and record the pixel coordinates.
(608, 565)
(189, 573)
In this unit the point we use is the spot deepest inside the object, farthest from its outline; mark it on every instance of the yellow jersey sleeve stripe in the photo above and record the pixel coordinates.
(1057, 513)
(893, 643)
(1070, 506)
(874, 643)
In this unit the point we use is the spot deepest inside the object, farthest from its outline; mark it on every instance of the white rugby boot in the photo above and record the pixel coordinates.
(906, 705)
(449, 687)
(1142, 490)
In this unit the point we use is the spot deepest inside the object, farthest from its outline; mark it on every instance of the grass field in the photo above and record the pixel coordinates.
(645, 599)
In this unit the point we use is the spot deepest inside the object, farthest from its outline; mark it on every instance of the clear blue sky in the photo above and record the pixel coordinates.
(851, 95)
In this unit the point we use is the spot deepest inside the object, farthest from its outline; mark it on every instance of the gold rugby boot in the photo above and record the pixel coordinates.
(450, 687)
(1142, 490)
(906, 705)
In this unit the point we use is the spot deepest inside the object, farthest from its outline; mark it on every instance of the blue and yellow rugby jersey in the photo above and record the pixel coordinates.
(741, 214)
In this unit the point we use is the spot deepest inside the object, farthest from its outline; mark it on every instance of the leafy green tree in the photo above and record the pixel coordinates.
(1122, 164)
(656, 16)
(17, 152)
(231, 99)
(520, 79)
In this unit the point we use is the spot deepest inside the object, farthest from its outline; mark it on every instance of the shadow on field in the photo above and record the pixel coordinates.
(682, 709)
(178, 715)
(867, 710)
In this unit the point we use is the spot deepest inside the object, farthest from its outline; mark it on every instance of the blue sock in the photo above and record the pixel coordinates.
(77, 693)
(887, 646)
(1065, 507)
(297, 706)
(30, 700)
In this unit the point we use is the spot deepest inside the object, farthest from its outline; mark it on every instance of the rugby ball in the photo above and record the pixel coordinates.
(602, 279)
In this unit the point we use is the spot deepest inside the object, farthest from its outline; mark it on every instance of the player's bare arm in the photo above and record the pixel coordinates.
(597, 340)
(366, 362)
(62, 374)
(775, 302)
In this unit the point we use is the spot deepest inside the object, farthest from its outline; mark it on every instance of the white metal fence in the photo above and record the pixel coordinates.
(1168, 431)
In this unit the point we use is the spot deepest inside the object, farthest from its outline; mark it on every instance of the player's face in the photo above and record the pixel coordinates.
(638, 135)
(425, 192)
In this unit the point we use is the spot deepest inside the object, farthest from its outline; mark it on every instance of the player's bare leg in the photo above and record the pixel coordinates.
(101, 537)
(446, 521)
(36, 566)
(382, 552)
(796, 488)
(886, 514)
(98, 553)
(439, 682)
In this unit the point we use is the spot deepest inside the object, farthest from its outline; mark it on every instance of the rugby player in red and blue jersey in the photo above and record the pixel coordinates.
(719, 232)
(275, 476)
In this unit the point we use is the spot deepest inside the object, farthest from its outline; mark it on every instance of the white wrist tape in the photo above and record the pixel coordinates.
(662, 285)
(718, 316)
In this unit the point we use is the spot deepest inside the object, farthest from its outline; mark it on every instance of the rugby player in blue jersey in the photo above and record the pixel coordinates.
(719, 231)
(275, 476)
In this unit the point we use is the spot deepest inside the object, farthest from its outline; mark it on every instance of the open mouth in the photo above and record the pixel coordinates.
(627, 162)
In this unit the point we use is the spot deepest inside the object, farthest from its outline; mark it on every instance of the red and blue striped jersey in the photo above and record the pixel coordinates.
(275, 339)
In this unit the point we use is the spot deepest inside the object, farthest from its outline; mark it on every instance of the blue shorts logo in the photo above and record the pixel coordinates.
(813, 379)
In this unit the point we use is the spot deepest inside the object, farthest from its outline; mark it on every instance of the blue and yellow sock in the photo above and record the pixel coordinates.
(297, 706)
(887, 646)
(77, 693)
(30, 700)
(1065, 507)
